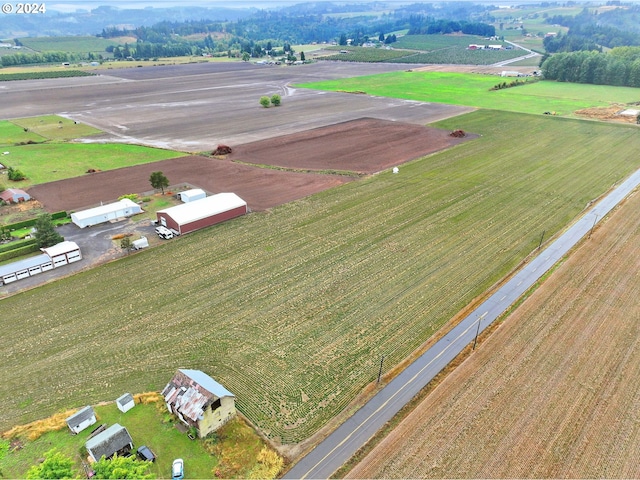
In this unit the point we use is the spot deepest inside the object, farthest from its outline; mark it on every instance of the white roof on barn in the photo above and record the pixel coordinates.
(203, 208)
(61, 248)
(106, 209)
(24, 264)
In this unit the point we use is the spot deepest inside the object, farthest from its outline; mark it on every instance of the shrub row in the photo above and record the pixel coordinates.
(19, 249)
(32, 222)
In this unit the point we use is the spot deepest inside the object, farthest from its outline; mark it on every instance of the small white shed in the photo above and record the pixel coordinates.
(125, 402)
(82, 419)
(191, 195)
(106, 213)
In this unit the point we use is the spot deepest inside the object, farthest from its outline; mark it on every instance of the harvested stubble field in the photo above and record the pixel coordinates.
(292, 309)
(553, 393)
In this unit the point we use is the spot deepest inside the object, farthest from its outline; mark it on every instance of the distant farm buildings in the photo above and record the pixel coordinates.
(474, 46)
(14, 195)
(106, 213)
(52, 257)
(202, 213)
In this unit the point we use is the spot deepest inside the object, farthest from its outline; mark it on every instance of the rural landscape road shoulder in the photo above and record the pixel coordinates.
(345, 441)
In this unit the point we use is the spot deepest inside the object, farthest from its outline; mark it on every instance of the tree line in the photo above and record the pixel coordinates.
(620, 67)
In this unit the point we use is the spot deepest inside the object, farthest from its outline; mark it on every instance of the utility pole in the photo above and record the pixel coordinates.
(540, 244)
(380, 371)
(475, 340)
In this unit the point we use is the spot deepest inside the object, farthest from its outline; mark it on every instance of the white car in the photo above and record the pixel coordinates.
(177, 469)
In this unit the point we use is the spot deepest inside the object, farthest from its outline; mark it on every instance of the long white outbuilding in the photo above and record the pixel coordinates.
(105, 213)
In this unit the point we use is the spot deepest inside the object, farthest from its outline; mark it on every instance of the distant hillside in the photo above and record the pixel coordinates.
(91, 22)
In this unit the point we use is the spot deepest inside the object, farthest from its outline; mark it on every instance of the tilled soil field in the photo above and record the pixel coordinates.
(261, 188)
(553, 393)
(365, 145)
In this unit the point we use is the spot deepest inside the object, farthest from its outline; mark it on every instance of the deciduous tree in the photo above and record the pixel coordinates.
(159, 180)
(55, 465)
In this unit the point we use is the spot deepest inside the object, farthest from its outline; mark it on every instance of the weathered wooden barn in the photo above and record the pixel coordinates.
(199, 401)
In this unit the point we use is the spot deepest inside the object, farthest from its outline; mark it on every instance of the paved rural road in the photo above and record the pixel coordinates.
(336, 449)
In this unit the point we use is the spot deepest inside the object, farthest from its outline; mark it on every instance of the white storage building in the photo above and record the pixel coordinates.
(192, 195)
(202, 213)
(106, 213)
(61, 254)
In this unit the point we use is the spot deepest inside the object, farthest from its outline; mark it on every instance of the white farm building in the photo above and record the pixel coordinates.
(192, 195)
(106, 213)
(53, 257)
(205, 212)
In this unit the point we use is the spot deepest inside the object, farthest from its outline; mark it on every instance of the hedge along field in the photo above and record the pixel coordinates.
(292, 309)
(49, 162)
(474, 90)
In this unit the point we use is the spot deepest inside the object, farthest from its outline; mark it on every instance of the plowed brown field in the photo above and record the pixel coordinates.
(364, 145)
(553, 393)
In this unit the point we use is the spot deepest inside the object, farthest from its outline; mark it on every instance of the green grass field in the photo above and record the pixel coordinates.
(54, 127)
(11, 134)
(474, 91)
(50, 162)
(292, 310)
(148, 424)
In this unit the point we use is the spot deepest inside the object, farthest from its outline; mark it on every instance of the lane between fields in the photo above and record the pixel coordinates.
(338, 447)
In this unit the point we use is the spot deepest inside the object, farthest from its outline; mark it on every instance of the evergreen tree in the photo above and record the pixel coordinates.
(46, 235)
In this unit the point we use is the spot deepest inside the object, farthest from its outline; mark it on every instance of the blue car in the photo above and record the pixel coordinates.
(177, 469)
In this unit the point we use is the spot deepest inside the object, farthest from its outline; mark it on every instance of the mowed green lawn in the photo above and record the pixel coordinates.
(474, 90)
(49, 162)
(292, 310)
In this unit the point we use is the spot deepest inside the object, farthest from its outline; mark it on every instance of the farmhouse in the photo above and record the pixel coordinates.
(191, 195)
(53, 257)
(205, 212)
(14, 195)
(105, 213)
(199, 401)
(114, 440)
(82, 419)
(125, 402)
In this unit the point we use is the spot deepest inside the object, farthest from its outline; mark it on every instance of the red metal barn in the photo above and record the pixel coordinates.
(202, 213)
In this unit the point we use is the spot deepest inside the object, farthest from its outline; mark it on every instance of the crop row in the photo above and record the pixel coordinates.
(293, 310)
(362, 54)
(5, 77)
(461, 56)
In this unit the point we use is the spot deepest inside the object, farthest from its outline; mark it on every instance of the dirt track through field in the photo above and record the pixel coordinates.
(553, 393)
